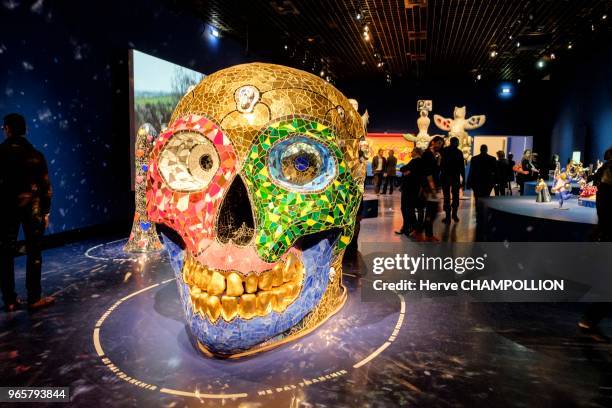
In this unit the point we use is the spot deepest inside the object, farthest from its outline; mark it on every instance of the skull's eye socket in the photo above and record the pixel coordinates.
(302, 164)
(188, 161)
(206, 162)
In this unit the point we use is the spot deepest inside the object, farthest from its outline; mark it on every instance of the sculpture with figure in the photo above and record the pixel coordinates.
(458, 127)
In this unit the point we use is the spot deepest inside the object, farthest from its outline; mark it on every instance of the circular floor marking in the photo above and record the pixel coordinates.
(117, 371)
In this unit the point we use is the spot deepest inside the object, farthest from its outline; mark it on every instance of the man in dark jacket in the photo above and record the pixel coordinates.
(411, 202)
(452, 175)
(378, 169)
(511, 177)
(501, 174)
(26, 200)
(482, 174)
(390, 170)
(603, 201)
(431, 182)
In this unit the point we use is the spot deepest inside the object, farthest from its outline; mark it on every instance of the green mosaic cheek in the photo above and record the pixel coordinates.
(287, 211)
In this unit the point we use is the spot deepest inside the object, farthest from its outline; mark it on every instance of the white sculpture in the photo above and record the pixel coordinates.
(458, 127)
(422, 138)
(364, 145)
(365, 118)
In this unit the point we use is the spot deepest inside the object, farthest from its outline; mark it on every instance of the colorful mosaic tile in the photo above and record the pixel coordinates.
(143, 237)
(257, 158)
(283, 214)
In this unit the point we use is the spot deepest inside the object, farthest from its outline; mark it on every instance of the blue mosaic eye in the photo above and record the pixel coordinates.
(302, 164)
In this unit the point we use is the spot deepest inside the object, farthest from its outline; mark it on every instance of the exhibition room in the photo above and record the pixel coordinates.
(306, 203)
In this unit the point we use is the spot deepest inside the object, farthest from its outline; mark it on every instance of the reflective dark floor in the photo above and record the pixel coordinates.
(369, 354)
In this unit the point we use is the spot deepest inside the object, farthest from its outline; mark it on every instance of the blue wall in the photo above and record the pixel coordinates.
(584, 118)
(64, 65)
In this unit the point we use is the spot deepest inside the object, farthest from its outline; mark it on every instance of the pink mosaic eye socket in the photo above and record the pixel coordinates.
(188, 161)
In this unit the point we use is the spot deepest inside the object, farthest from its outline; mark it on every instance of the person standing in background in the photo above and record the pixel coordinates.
(603, 202)
(511, 164)
(25, 194)
(535, 165)
(501, 174)
(378, 169)
(452, 175)
(482, 174)
(525, 172)
(411, 200)
(552, 166)
(431, 184)
(390, 170)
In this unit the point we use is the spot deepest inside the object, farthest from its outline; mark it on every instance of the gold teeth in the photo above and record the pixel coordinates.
(229, 295)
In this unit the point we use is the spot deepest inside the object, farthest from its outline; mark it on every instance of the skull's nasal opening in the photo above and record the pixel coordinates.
(235, 220)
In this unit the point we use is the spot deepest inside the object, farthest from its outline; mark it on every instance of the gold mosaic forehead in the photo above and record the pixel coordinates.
(245, 98)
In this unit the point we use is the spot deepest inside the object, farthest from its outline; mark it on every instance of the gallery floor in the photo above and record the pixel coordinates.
(116, 337)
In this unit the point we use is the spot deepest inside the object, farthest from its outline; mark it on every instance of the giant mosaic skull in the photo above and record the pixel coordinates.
(258, 174)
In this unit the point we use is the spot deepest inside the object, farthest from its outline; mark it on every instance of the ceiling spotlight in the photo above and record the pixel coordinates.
(328, 78)
(493, 54)
(592, 27)
(366, 28)
(518, 81)
(604, 16)
(478, 77)
(569, 46)
(286, 47)
(553, 56)
(510, 37)
(540, 64)
(214, 32)
(322, 73)
(505, 90)
(366, 36)
(518, 44)
(358, 16)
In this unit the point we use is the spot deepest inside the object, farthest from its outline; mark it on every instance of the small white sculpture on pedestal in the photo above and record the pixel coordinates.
(458, 127)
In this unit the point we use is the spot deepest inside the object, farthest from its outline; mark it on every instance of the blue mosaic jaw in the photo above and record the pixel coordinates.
(239, 334)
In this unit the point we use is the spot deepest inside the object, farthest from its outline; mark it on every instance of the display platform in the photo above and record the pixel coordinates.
(523, 219)
(161, 346)
(531, 185)
(370, 206)
(588, 202)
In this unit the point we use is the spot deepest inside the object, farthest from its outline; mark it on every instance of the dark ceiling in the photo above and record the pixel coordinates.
(498, 39)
